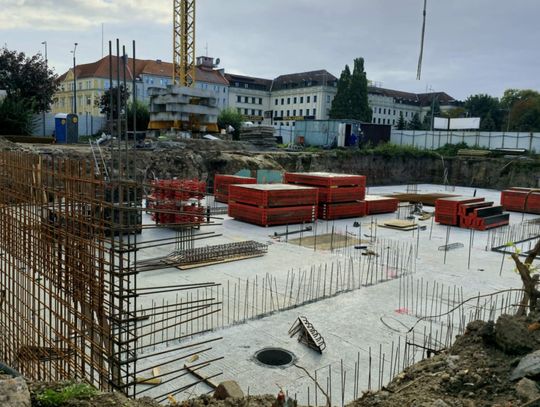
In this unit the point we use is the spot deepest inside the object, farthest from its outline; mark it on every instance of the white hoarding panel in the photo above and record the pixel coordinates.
(466, 123)
(440, 123)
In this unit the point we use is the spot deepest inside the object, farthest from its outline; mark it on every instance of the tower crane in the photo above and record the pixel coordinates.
(184, 42)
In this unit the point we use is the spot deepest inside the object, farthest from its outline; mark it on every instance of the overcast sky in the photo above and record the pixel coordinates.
(471, 46)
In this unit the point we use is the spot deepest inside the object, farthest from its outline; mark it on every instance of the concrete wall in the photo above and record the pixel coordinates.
(434, 139)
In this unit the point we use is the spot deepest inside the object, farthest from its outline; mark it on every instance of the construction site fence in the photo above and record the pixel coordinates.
(88, 124)
(432, 140)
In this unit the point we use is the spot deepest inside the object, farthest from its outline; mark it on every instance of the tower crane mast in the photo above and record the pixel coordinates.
(184, 42)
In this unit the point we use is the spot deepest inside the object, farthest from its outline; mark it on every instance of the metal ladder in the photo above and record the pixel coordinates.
(99, 160)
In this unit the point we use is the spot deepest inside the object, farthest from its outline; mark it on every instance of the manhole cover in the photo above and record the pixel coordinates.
(275, 357)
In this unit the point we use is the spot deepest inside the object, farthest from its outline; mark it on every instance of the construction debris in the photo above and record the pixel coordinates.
(260, 136)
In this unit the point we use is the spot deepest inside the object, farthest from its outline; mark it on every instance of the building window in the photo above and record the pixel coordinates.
(379, 120)
(260, 112)
(301, 99)
(384, 111)
(282, 113)
(301, 112)
(307, 112)
(253, 100)
(239, 99)
(327, 98)
(294, 112)
(253, 112)
(394, 113)
(293, 124)
(276, 102)
(314, 112)
(315, 99)
(288, 102)
(287, 124)
(406, 114)
(393, 121)
(246, 85)
(260, 101)
(275, 114)
(246, 111)
(374, 120)
(282, 101)
(308, 98)
(246, 99)
(288, 113)
(294, 100)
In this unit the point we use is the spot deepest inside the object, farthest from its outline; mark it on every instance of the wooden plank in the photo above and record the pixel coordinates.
(199, 376)
(210, 263)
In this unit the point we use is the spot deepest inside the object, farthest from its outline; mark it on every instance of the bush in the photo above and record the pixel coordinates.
(54, 398)
(16, 117)
(394, 150)
(230, 117)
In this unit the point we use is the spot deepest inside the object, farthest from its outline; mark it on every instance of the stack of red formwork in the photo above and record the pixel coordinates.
(340, 195)
(273, 204)
(222, 182)
(470, 213)
(380, 204)
(447, 209)
(521, 200)
(176, 201)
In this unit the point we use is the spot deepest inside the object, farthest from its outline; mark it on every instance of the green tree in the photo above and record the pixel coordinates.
(16, 116)
(104, 102)
(415, 123)
(521, 107)
(482, 105)
(341, 105)
(28, 79)
(488, 124)
(142, 116)
(231, 117)
(454, 113)
(401, 124)
(525, 115)
(360, 109)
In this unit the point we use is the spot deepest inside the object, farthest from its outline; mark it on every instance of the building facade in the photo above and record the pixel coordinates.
(250, 97)
(94, 79)
(389, 104)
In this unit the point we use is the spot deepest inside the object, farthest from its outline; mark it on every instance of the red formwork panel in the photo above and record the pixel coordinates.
(447, 209)
(177, 190)
(273, 195)
(380, 204)
(329, 211)
(273, 216)
(222, 182)
(324, 179)
(515, 199)
(491, 222)
(467, 209)
(341, 194)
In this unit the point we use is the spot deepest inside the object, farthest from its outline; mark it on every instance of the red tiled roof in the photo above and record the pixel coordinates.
(100, 69)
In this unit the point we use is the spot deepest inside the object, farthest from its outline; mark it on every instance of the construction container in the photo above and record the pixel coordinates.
(330, 211)
(222, 182)
(273, 195)
(272, 216)
(380, 204)
(325, 179)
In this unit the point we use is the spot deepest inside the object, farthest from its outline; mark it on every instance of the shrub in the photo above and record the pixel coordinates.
(16, 117)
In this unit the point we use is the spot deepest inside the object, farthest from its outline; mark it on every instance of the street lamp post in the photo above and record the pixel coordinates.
(74, 81)
(46, 68)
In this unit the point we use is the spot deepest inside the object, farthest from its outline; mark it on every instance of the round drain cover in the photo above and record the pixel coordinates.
(275, 357)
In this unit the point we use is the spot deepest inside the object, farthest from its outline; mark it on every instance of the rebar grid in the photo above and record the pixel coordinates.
(68, 245)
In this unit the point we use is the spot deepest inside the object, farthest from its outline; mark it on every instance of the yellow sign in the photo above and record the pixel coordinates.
(75, 120)
(291, 118)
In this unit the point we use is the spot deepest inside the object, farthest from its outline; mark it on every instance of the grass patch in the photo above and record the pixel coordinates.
(54, 398)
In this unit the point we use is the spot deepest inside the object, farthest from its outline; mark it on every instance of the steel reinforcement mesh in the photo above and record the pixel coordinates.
(64, 276)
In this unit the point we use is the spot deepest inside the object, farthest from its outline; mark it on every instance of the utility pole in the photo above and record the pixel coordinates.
(46, 69)
(74, 80)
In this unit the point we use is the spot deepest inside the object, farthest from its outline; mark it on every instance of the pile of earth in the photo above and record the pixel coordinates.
(492, 364)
